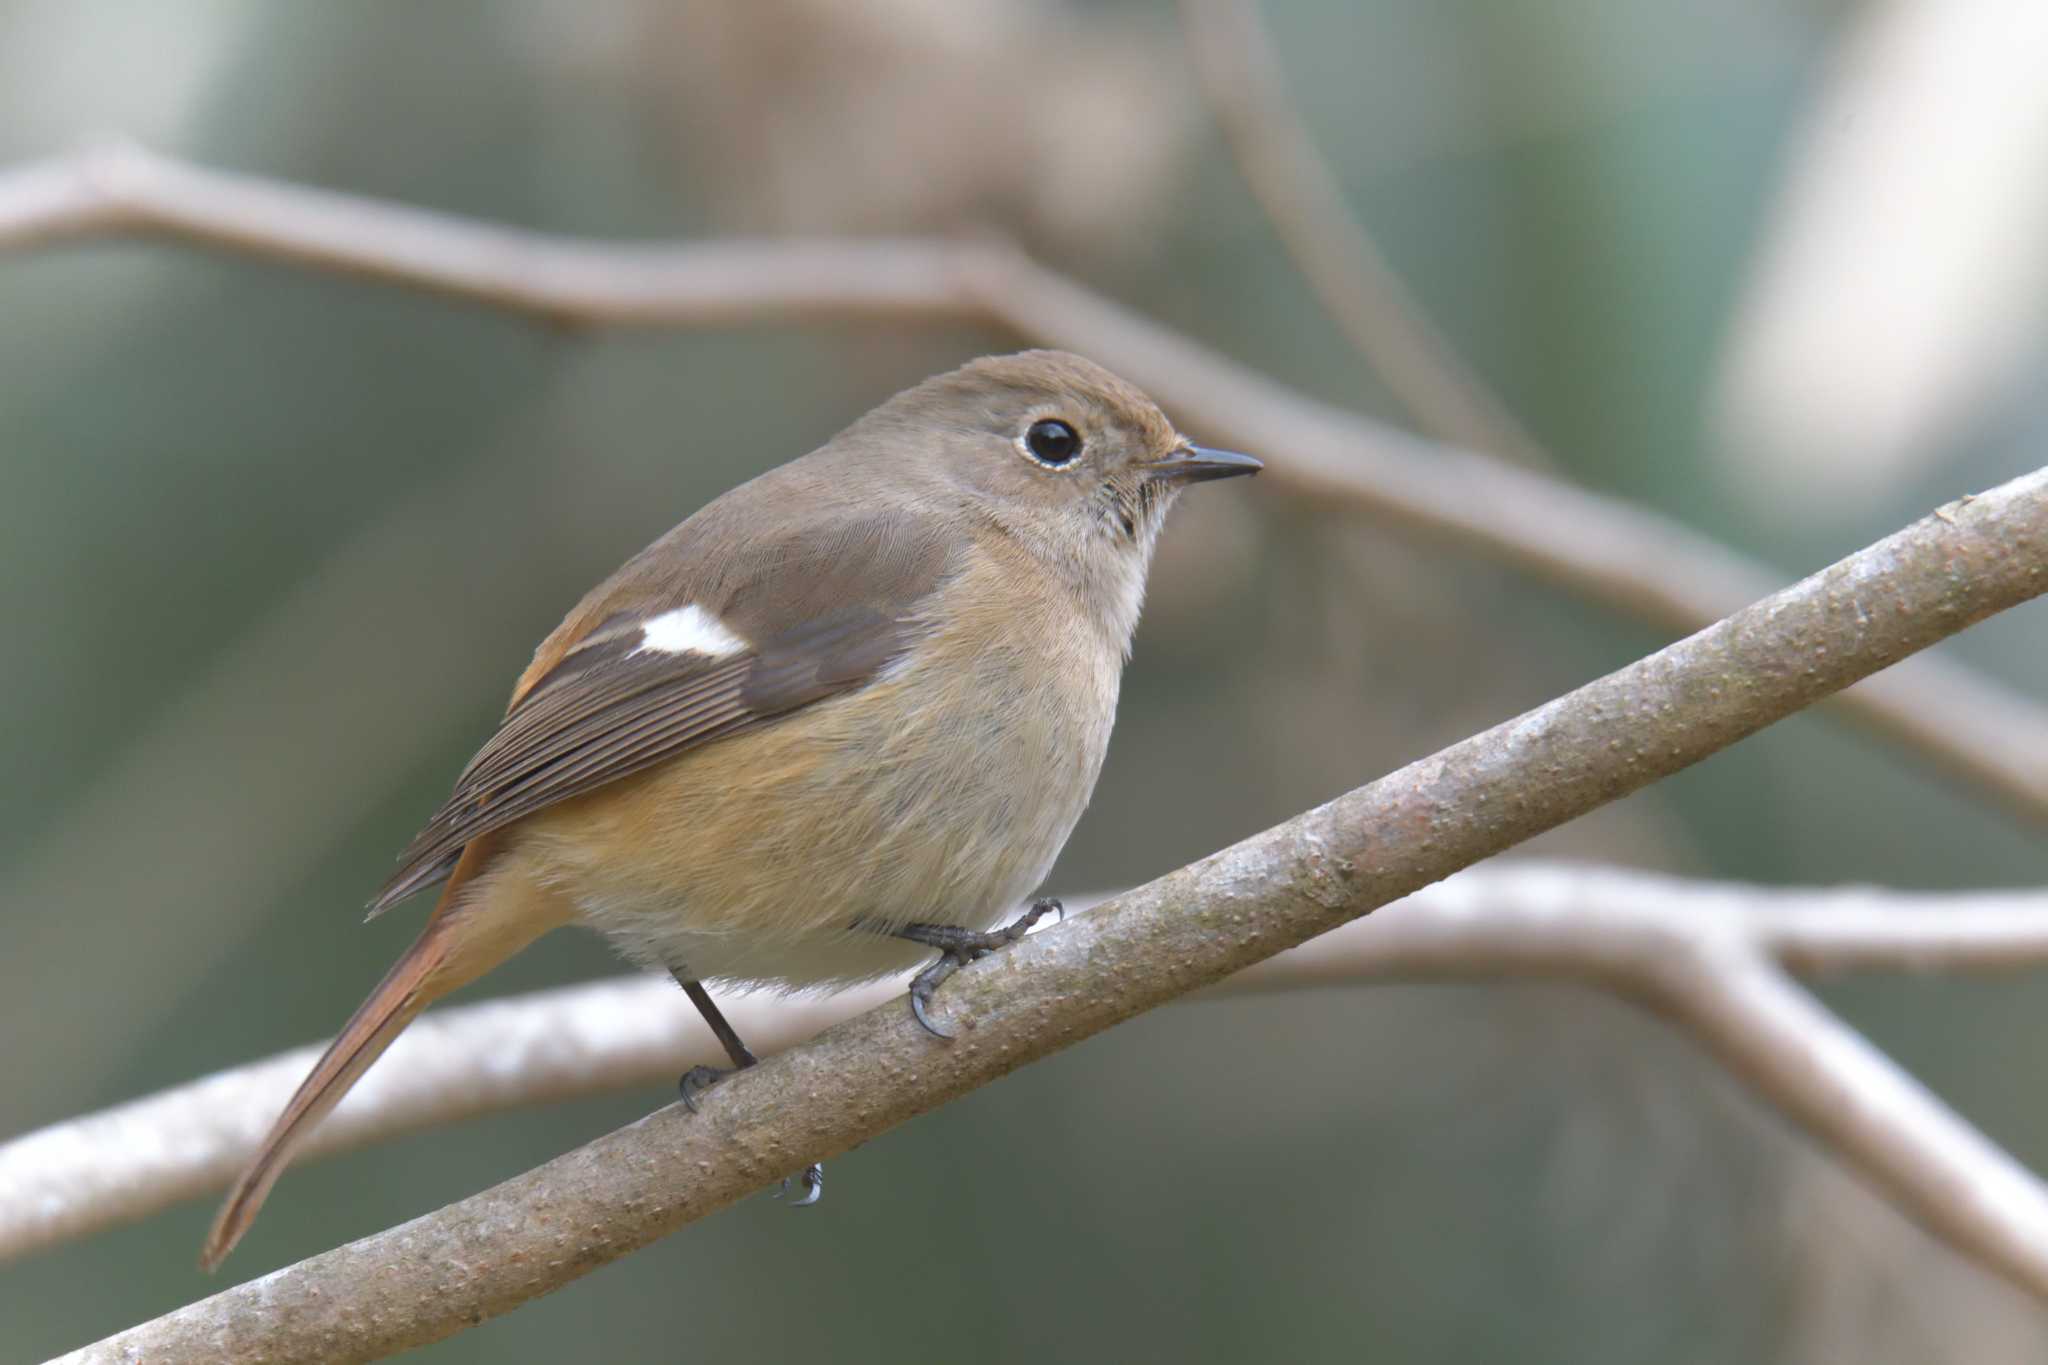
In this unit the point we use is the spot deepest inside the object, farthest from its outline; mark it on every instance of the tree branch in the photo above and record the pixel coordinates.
(1246, 89)
(1627, 558)
(1605, 926)
(1189, 929)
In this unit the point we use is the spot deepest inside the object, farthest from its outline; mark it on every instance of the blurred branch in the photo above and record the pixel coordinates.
(118, 189)
(1192, 928)
(1626, 557)
(1246, 89)
(1624, 930)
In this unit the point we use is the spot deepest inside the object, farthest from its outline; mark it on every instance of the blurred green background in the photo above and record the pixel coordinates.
(273, 547)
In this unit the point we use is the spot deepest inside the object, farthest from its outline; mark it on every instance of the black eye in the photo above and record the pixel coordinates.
(1052, 441)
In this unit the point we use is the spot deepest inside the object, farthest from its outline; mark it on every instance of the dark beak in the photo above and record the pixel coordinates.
(1199, 464)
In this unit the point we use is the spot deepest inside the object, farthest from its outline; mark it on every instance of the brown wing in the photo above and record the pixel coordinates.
(821, 612)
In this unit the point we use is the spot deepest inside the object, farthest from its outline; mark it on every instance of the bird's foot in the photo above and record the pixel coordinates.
(814, 1187)
(958, 947)
(699, 1079)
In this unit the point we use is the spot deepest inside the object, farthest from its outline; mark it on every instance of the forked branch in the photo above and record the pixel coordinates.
(1643, 934)
(1187, 930)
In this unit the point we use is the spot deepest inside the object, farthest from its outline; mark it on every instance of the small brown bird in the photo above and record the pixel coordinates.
(846, 714)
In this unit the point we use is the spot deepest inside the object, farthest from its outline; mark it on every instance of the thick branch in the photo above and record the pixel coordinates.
(1625, 557)
(1189, 929)
(1606, 926)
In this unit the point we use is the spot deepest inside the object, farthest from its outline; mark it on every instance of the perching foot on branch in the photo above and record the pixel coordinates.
(698, 1079)
(958, 947)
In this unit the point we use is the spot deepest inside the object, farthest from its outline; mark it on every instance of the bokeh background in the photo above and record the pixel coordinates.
(272, 547)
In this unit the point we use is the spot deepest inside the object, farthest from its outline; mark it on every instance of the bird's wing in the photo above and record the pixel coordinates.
(702, 636)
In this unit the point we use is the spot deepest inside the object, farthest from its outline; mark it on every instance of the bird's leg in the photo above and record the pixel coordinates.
(701, 1078)
(958, 947)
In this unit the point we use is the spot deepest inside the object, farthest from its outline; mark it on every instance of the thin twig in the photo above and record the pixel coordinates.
(1970, 727)
(1189, 929)
(1246, 89)
(1606, 926)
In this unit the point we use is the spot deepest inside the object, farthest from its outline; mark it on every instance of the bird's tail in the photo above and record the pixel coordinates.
(465, 938)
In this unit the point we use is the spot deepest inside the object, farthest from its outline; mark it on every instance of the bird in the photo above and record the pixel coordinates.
(843, 717)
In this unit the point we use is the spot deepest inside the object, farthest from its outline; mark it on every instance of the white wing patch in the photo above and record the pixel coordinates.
(689, 630)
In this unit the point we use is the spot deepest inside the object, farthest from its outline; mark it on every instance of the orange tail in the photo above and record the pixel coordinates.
(460, 943)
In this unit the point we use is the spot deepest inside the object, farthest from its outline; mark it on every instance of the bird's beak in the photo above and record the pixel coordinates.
(1199, 464)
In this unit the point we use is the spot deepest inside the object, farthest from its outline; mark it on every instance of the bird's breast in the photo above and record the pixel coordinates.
(940, 793)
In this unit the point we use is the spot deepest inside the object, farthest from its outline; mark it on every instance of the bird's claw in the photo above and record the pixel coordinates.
(814, 1187)
(926, 982)
(699, 1079)
(958, 947)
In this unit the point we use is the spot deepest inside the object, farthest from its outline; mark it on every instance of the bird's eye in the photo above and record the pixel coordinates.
(1052, 442)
